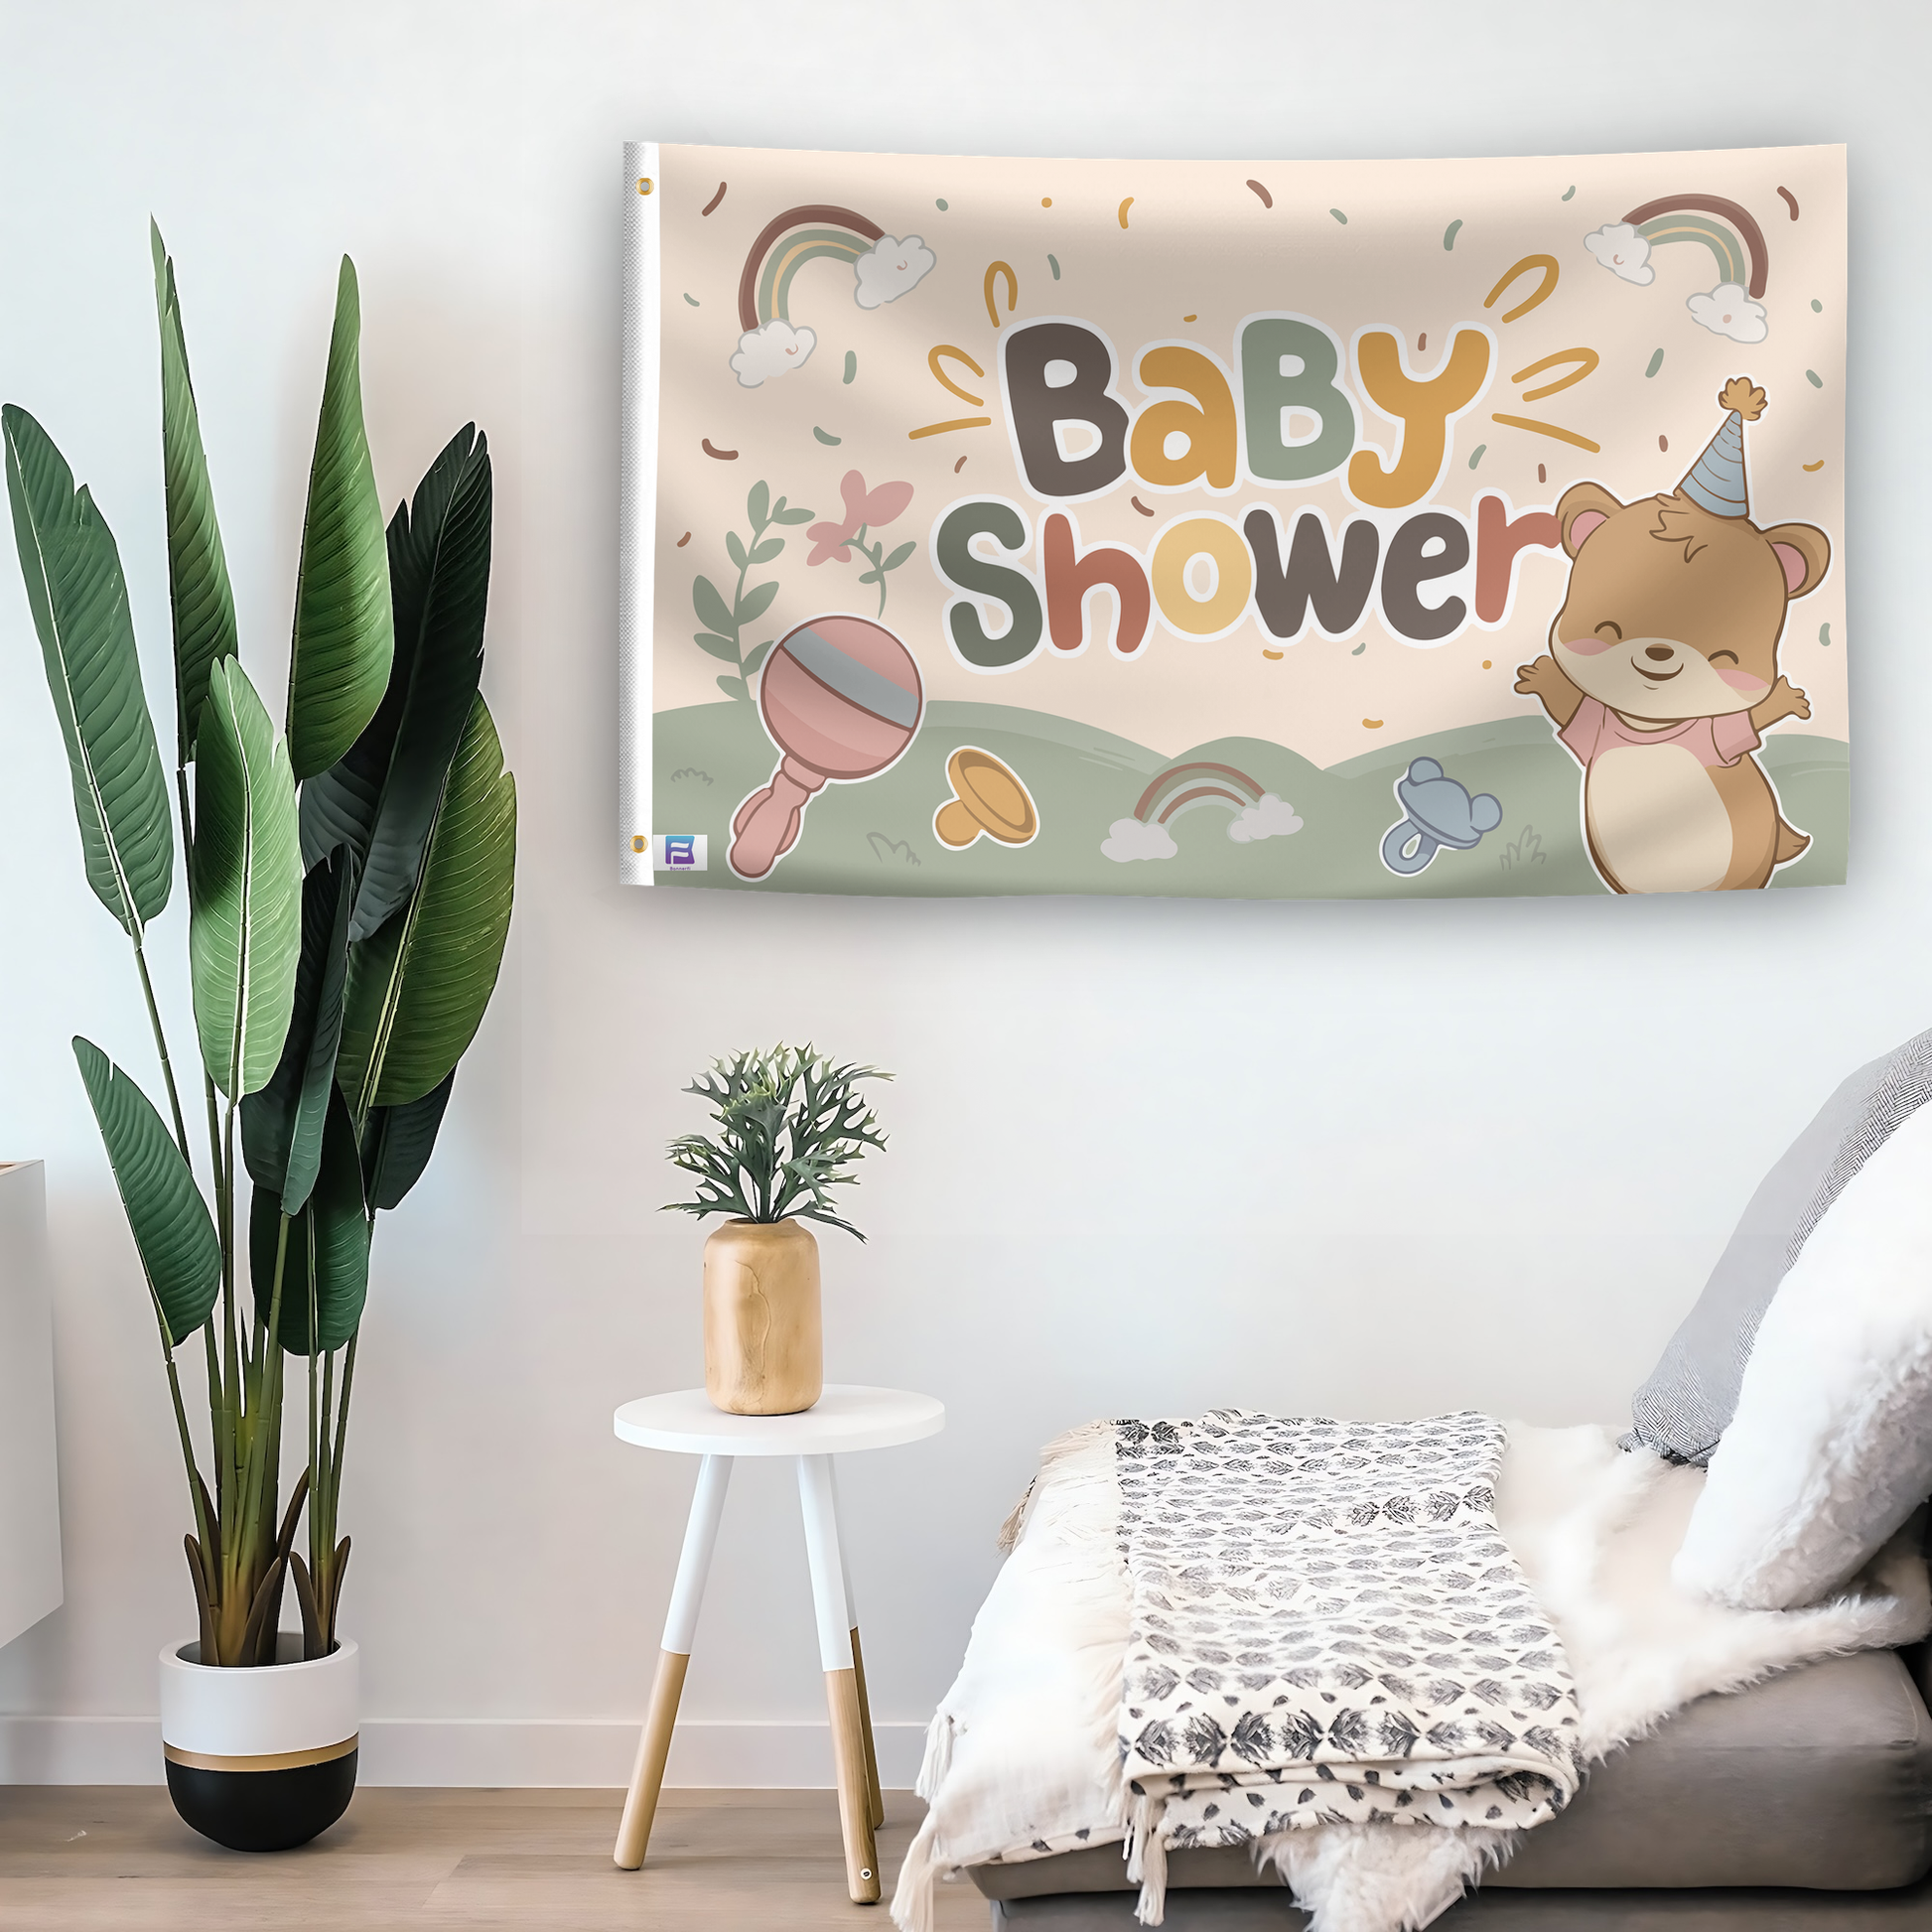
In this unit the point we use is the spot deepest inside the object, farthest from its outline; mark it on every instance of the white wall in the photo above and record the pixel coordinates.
(1147, 1157)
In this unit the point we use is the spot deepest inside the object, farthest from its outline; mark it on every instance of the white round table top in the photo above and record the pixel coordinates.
(846, 1417)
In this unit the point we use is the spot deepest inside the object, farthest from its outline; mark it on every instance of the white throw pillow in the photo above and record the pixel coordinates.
(1831, 1447)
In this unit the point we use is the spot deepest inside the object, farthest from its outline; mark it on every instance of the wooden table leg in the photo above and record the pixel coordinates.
(820, 1511)
(680, 1625)
(877, 1797)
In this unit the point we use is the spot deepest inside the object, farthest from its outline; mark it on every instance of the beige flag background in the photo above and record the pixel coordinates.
(871, 561)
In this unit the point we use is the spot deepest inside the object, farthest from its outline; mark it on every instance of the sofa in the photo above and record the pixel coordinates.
(1801, 1383)
(1801, 1804)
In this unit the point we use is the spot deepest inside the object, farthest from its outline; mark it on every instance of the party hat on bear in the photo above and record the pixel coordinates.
(1715, 480)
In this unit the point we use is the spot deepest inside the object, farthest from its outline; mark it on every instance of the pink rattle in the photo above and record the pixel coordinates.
(841, 698)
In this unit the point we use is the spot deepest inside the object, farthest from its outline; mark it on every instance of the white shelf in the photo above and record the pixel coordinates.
(30, 1497)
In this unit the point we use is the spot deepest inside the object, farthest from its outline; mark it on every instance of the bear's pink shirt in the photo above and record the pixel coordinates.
(1597, 729)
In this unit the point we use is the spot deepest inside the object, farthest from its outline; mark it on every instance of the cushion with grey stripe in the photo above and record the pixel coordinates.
(1691, 1394)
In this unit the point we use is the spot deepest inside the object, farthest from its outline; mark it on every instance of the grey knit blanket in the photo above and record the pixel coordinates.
(1327, 1627)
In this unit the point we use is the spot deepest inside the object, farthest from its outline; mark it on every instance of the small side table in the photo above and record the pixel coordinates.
(843, 1419)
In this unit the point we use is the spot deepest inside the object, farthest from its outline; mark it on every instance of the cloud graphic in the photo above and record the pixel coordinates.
(1271, 819)
(770, 350)
(1623, 251)
(891, 267)
(1128, 838)
(1729, 311)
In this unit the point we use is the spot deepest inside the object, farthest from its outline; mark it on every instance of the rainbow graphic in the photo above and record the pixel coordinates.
(884, 268)
(1253, 814)
(1734, 308)
(1727, 230)
(1182, 788)
(785, 244)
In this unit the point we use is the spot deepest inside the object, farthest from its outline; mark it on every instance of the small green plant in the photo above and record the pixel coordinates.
(791, 1127)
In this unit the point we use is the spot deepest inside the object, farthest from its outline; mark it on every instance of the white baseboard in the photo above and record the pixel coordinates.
(481, 1752)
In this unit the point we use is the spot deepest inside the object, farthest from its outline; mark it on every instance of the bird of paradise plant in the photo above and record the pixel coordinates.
(350, 885)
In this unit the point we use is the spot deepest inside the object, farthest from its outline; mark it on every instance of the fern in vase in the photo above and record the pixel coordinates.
(791, 1127)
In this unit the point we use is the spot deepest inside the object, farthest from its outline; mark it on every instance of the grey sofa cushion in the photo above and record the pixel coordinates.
(1691, 1394)
(1820, 1778)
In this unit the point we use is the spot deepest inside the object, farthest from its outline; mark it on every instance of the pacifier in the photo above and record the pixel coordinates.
(1438, 812)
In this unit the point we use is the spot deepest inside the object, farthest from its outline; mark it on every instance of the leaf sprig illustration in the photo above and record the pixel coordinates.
(725, 619)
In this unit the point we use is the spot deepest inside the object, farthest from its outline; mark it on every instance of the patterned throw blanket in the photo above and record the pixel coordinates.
(1327, 1627)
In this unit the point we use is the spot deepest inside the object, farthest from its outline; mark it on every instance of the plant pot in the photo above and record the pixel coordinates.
(764, 1345)
(260, 1759)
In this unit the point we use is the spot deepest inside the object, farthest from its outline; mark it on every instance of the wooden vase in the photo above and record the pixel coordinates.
(763, 1344)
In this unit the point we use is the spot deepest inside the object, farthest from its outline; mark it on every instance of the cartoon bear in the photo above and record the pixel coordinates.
(1663, 672)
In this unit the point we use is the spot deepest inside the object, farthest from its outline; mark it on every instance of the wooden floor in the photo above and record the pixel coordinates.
(111, 1858)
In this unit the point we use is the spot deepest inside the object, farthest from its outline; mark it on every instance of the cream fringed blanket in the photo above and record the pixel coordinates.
(1325, 1626)
(1024, 1757)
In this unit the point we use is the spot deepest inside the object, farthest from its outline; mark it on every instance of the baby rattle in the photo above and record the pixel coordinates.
(841, 698)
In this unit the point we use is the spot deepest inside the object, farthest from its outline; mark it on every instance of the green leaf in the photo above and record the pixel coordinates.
(198, 570)
(900, 555)
(793, 516)
(380, 798)
(717, 646)
(734, 687)
(791, 1127)
(179, 1251)
(244, 886)
(339, 806)
(734, 548)
(325, 1262)
(76, 591)
(418, 988)
(397, 1144)
(713, 612)
(282, 1125)
(756, 656)
(871, 577)
(755, 602)
(765, 551)
(345, 636)
(758, 505)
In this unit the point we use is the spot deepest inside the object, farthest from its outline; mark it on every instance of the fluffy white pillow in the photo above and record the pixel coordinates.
(1831, 1447)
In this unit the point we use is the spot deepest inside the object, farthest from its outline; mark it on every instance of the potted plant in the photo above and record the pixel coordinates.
(790, 1126)
(350, 886)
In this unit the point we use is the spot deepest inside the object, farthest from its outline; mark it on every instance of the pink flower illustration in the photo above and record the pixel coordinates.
(881, 505)
(828, 540)
(864, 510)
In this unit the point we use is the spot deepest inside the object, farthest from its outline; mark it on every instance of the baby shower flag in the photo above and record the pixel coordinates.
(1234, 529)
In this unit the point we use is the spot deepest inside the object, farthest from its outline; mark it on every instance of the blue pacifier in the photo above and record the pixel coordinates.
(1438, 812)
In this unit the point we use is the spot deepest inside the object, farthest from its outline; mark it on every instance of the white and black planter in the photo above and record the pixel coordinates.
(262, 1759)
